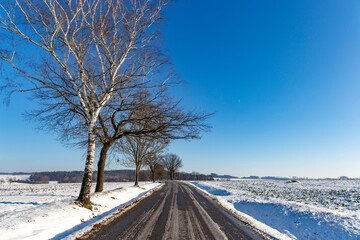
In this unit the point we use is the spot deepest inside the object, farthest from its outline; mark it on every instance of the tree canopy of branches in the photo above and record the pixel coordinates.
(154, 115)
(88, 57)
(138, 150)
(172, 164)
(154, 162)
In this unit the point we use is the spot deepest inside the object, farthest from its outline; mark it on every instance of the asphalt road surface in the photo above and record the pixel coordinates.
(176, 211)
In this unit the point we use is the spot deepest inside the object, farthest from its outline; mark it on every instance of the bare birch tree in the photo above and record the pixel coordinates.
(86, 52)
(172, 164)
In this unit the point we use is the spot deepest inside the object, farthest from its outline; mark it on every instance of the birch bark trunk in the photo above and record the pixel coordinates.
(84, 196)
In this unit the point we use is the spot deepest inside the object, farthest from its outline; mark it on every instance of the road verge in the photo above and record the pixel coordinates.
(260, 228)
(94, 227)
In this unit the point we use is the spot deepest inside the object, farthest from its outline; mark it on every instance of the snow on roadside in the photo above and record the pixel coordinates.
(312, 209)
(217, 194)
(46, 211)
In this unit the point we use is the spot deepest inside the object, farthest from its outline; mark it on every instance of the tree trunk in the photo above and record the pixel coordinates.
(84, 196)
(137, 175)
(101, 166)
(153, 175)
(171, 175)
(152, 172)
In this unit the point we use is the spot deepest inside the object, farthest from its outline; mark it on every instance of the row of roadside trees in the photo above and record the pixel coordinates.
(157, 164)
(98, 75)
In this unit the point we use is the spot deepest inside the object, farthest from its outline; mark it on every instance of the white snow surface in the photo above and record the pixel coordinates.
(308, 209)
(48, 211)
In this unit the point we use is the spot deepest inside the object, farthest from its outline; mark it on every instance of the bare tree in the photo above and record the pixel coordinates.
(88, 52)
(172, 164)
(147, 106)
(154, 161)
(138, 149)
(154, 115)
(160, 173)
(154, 164)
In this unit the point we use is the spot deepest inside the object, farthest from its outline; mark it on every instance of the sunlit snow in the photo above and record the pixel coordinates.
(48, 211)
(308, 209)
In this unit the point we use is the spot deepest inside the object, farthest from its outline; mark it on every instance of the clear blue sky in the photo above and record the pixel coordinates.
(282, 76)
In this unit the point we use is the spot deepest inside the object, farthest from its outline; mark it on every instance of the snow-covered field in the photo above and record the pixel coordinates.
(48, 211)
(308, 209)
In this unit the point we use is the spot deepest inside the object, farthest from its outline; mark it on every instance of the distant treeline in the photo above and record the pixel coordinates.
(214, 175)
(111, 176)
(76, 176)
(193, 176)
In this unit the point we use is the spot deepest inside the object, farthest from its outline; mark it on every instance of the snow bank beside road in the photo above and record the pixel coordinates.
(219, 194)
(47, 211)
(310, 209)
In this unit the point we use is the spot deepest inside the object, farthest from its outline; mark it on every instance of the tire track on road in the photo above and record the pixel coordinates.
(177, 211)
